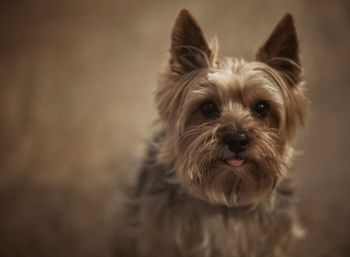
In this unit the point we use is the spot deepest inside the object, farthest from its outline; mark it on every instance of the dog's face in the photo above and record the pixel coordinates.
(229, 123)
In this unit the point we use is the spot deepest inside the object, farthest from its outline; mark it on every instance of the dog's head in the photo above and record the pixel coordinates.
(229, 124)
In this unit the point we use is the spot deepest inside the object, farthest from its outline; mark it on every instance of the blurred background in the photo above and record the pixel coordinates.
(76, 108)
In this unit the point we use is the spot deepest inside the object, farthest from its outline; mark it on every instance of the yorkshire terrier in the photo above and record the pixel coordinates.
(215, 181)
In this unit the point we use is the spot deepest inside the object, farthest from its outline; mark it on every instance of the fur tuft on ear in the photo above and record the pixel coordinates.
(189, 49)
(281, 50)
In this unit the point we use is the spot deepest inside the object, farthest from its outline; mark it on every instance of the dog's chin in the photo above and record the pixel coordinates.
(235, 182)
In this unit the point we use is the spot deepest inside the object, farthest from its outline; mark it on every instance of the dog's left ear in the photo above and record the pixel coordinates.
(281, 50)
(189, 49)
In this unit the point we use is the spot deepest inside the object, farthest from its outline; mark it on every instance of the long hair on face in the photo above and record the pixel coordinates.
(191, 146)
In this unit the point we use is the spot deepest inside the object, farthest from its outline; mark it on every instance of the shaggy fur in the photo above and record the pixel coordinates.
(197, 197)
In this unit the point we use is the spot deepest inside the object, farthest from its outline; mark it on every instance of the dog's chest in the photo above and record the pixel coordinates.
(240, 235)
(190, 230)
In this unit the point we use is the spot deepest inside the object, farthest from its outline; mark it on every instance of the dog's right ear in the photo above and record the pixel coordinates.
(189, 49)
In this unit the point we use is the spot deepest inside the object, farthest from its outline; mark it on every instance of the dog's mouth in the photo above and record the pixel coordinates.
(235, 162)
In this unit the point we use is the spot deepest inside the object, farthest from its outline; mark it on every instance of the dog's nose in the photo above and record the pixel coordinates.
(237, 142)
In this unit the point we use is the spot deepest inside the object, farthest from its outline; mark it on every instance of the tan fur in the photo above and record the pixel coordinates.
(190, 202)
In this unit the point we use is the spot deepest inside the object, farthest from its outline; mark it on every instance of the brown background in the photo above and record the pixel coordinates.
(76, 83)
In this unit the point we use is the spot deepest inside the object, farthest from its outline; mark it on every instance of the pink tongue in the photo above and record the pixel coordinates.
(235, 162)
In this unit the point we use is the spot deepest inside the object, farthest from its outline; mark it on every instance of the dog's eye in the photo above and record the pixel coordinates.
(261, 109)
(209, 110)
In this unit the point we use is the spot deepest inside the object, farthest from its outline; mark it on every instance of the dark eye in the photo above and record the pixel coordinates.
(209, 110)
(261, 109)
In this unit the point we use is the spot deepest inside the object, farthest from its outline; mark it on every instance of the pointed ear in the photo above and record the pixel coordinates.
(281, 50)
(189, 49)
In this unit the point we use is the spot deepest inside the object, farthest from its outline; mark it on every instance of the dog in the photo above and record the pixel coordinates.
(215, 181)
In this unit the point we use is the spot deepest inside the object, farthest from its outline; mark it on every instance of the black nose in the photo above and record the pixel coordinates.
(237, 142)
